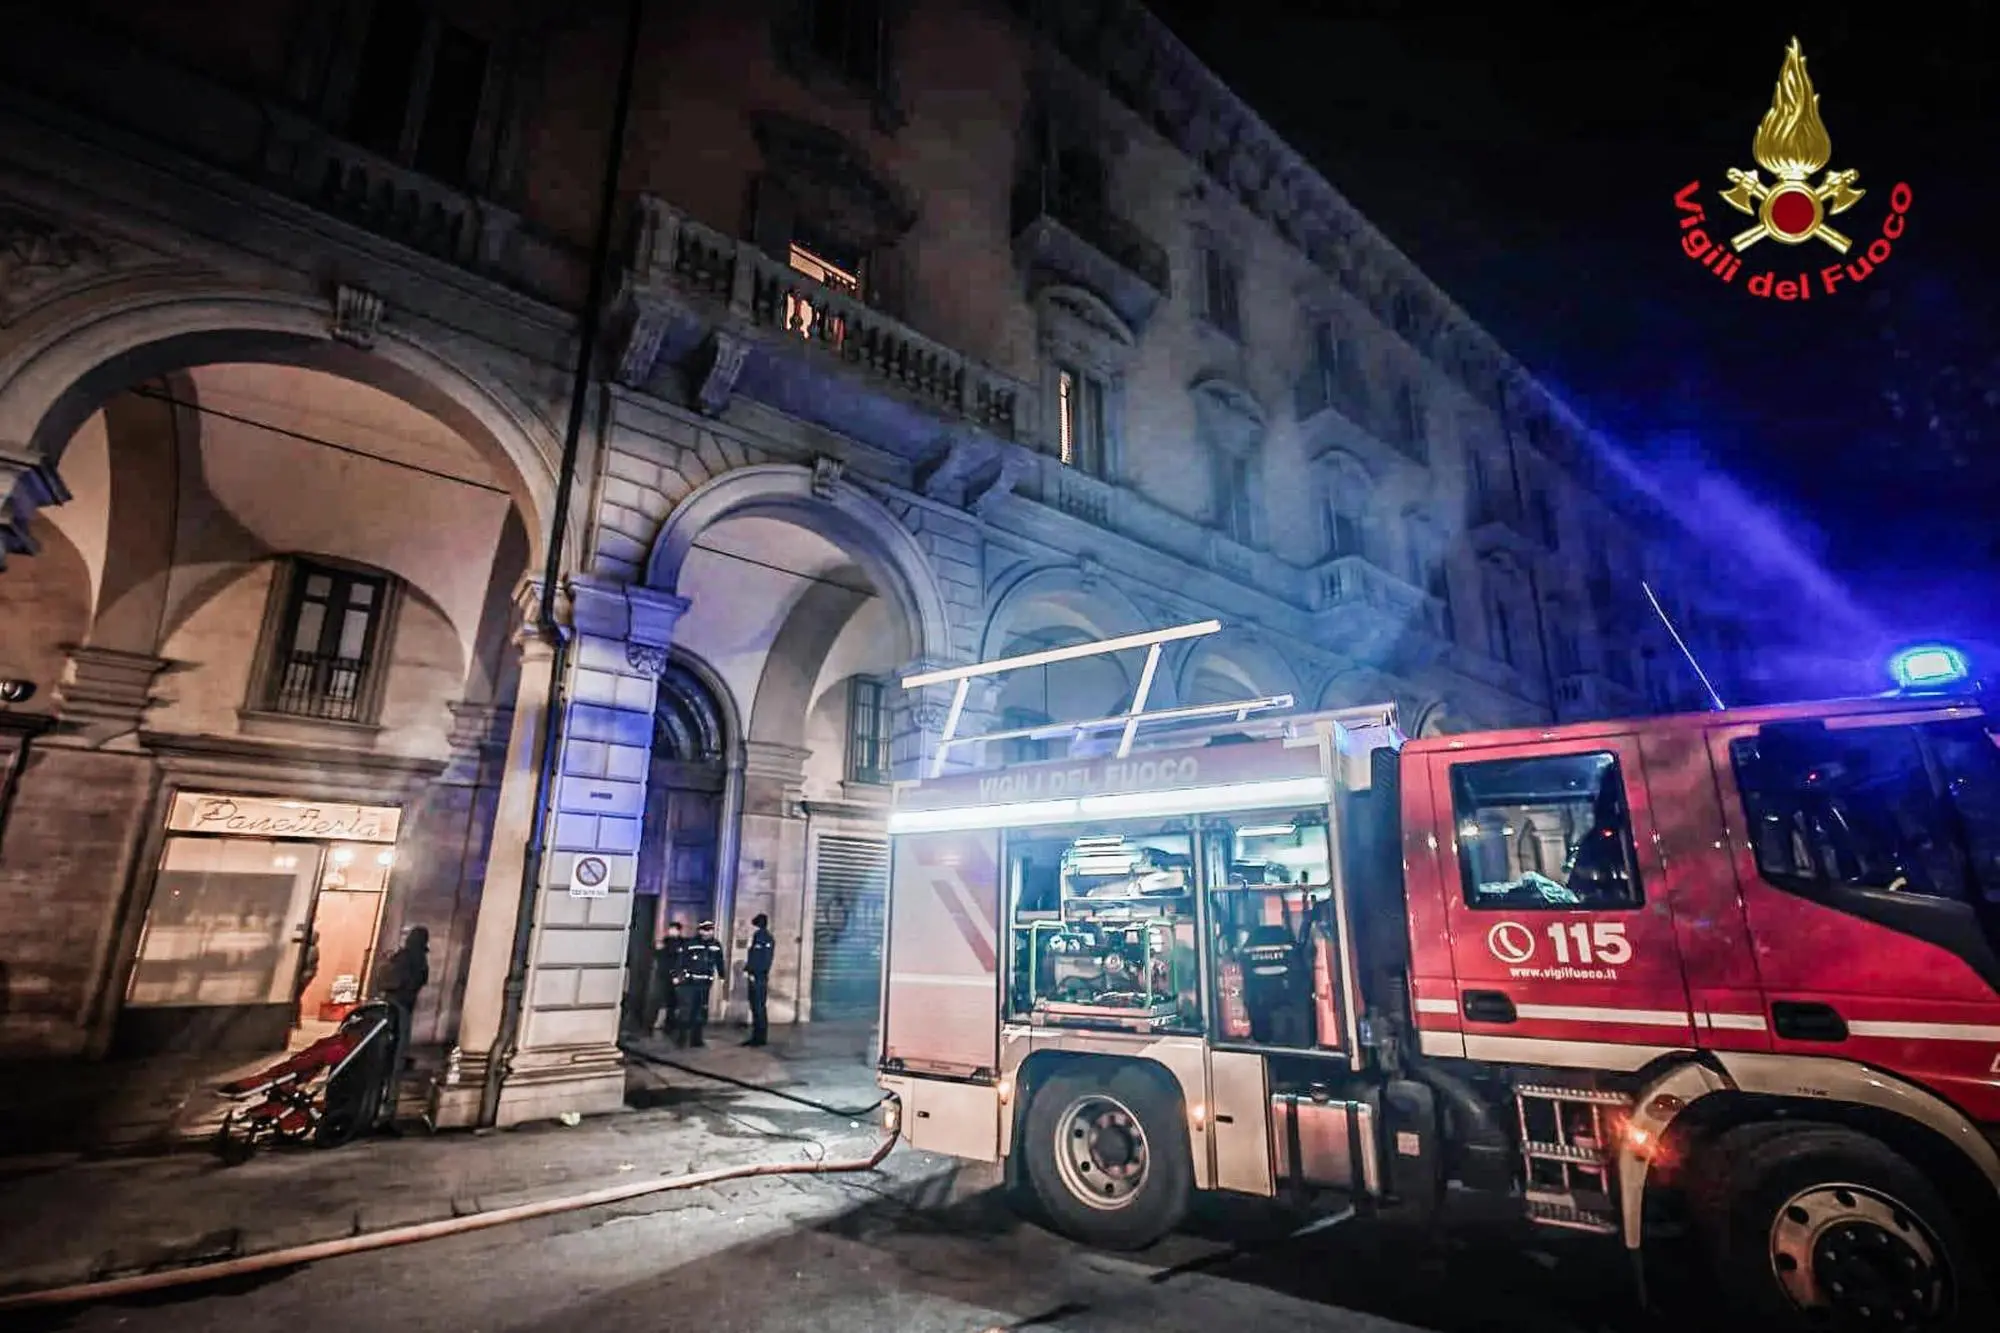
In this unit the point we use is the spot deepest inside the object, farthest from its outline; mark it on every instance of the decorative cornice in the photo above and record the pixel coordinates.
(1133, 54)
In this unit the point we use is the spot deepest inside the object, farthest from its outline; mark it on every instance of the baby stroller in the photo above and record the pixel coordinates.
(325, 1094)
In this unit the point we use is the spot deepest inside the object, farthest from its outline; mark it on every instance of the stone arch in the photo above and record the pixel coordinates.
(695, 706)
(850, 518)
(1252, 667)
(1432, 719)
(793, 663)
(1090, 604)
(1356, 686)
(48, 390)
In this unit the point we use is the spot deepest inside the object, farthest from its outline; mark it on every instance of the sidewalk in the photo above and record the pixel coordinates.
(104, 1218)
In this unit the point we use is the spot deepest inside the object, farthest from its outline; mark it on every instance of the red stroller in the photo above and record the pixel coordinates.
(325, 1094)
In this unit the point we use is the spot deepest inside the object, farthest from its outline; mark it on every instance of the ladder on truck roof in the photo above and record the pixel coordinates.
(1126, 723)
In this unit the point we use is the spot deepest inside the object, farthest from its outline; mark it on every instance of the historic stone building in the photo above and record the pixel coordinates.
(933, 333)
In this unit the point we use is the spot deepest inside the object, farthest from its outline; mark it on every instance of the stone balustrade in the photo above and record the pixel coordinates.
(676, 251)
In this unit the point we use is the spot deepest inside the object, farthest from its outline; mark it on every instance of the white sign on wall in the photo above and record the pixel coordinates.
(589, 878)
(270, 817)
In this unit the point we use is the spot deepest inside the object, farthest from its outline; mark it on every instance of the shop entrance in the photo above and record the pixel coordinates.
(262, 923)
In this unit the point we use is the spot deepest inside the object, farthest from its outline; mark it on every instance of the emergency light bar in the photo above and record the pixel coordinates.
(1222, 798)
(1129, 721)
(1932, 666)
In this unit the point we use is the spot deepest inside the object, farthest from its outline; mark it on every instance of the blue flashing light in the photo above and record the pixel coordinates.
(1933, 666)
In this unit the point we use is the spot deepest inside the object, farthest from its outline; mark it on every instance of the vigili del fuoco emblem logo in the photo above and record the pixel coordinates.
(1791, 208)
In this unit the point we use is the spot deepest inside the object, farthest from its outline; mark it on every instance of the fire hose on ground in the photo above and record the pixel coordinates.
(293, 1256)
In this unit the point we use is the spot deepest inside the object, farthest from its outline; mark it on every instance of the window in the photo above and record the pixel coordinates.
(1410, 422)
(420, 84)
(1346, 533)
(1080, 421)
(325, 664)
(1270, 904)
(867, 732)
(1551, 831)
(1562, 644)
(1861, 808)
(847, 35)
(1502, 629)
(1102, 928)
(809, 316)
(1439, 586)
(1545, 517)
(1219, 292)
(1233, 503)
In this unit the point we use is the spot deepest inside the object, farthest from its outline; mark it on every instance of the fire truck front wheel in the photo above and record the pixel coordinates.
(1108, 1156)
(1824, 1225)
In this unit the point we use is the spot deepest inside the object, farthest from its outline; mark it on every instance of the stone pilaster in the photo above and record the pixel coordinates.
(771, 865)
(567, 1057)
(106, 696)
(917, 719)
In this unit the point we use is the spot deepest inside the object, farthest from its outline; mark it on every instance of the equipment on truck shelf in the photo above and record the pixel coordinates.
(1742, 965)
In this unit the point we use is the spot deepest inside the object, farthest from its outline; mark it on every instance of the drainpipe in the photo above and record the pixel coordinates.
(1534, 581)
(28, 729)
(545, 621)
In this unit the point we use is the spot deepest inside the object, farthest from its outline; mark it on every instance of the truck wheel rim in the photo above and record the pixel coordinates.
(1858, 1253)
(1101, 1151)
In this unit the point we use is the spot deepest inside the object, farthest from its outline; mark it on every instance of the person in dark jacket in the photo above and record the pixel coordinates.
(403, 978)
(663, 1004)
(757, 975)
(701, 964)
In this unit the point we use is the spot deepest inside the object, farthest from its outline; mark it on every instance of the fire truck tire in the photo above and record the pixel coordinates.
(1822, 1222)
(1108, 1157)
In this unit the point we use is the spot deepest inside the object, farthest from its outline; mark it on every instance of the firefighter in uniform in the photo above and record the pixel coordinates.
(663, 997)
(757, 975)
(701, 964)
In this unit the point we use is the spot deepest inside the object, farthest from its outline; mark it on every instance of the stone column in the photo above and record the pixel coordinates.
(441, 861)
(455, 1100)
(771, 867)
(567, 1057)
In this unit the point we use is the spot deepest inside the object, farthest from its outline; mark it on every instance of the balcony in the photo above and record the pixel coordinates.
(1080, 241)
(1363, 610)
(769, 299)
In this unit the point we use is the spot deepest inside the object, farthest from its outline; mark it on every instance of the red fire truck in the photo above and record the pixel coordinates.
(1740, 969)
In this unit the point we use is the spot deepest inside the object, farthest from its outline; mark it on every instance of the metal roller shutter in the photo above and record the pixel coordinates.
(851, 887)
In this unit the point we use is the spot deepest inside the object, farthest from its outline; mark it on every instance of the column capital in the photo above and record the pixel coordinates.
(637, 614)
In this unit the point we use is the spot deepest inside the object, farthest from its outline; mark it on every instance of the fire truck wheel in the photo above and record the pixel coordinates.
(1108, 1157)
(1827, 1226)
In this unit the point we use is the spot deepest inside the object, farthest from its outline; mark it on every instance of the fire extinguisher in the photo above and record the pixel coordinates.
(1235, 1013)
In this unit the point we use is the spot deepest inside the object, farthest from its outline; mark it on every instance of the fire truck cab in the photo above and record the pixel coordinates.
(1741, 966)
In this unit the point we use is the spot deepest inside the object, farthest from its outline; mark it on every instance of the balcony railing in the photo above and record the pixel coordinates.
(770, 295)
(1366, 608)
(328, 689)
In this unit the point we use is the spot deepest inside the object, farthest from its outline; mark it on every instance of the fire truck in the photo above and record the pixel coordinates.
(1733, 975)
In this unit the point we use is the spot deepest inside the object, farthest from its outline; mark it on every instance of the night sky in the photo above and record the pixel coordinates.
(1528, 160)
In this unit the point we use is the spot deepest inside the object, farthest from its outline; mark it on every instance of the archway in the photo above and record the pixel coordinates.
(293, 549)
(53, 385)
(808, 599)
(679, 876)
(1056, 607)
(1228, 667)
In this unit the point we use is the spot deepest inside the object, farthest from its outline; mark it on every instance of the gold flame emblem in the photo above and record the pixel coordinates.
(1792, 144)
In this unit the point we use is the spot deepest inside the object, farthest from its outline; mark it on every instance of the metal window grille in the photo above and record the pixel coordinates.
(326, 646)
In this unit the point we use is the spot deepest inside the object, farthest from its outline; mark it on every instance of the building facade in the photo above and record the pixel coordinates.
(936, 332)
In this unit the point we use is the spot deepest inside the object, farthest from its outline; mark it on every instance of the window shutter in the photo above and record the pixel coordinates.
(774, 218)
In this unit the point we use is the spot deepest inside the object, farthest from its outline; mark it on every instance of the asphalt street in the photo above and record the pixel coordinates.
(909, 1247)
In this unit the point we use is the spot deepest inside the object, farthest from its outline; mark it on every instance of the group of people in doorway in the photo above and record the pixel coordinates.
(685, 971)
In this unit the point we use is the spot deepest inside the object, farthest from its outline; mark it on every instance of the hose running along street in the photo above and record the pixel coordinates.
(293, 1256)
(845, 1113)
